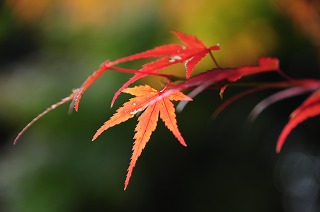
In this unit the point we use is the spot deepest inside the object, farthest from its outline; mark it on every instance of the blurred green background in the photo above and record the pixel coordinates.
(49, 47)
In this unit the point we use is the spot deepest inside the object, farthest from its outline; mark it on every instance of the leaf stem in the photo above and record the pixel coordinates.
(52, 107)
(170, 77)
(214, 60)
(284, 75)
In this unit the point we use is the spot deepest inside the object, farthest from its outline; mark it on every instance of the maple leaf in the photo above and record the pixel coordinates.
(309, 108)
(147, 122)
(202, 81)
(190, 54)
(296, 87)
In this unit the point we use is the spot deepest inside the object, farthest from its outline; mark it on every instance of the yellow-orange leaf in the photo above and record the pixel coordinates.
(147, 122)
(168, 116)
(146, 125)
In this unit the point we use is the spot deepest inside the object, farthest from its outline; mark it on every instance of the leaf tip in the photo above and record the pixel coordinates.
(76, 96)
(278, 148)
(125, 186)
(215, 114)
(222, 92)
(273, 63)
(215, 47)
(126, 182)
(96, 135)
(281, 139)
(16, 139)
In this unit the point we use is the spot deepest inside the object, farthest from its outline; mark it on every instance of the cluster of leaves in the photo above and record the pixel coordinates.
(153, 103)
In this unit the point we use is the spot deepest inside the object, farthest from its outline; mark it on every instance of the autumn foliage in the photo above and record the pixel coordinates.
(149, 103)
(148, 119)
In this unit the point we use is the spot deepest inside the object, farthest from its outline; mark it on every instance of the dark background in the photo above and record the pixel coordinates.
(49, 47)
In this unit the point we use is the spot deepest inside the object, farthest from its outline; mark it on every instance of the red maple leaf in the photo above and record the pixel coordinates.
(190, 54)
(202, 81)
(309, 108)
(147, 120)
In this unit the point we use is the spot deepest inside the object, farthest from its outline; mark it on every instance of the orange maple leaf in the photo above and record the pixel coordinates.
(148, 119)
